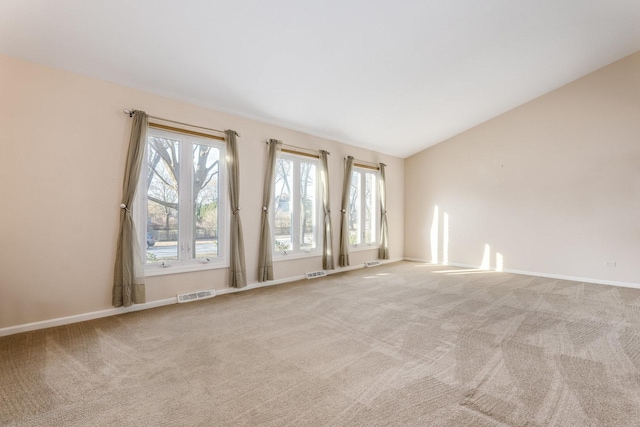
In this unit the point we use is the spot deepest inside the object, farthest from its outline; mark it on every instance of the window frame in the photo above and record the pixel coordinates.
(294, 253)
(355, 247)
(185, 262)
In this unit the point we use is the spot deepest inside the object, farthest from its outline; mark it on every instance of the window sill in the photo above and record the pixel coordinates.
(277, 257)
(177, 268)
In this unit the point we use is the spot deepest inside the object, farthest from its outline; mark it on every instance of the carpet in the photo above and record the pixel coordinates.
(403, 344)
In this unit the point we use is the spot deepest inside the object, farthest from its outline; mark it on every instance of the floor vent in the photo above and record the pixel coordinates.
(193, 296)
(314, 274)
(371, 263)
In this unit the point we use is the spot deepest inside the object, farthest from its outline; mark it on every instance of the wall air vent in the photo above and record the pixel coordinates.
(193, 296)
(371, 263)
(314, 274)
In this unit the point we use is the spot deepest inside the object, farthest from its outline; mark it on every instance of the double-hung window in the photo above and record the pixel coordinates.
(182, 203)
(296, 206)
(364, 202)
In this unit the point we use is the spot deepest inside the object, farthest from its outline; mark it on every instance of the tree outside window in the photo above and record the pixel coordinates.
(363, 213)
(295, 205)
(182, 191)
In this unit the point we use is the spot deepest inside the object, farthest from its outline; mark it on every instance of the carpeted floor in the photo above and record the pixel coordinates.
(404, 344)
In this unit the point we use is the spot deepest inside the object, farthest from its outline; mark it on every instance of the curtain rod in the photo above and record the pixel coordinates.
(292, 150)
(130, 113)
(185, 131)
(362, 164)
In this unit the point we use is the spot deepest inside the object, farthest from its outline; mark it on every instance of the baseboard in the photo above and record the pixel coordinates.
(537, 274)
(259, 285)
(296, 278)
(358, 266)
(576, 279)
(10, 330)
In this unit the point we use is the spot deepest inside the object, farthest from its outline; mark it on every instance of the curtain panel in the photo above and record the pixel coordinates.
(343, 256)
(327, 240)
(238, 271)
(128, 282)
(383, 251)
(265, 252)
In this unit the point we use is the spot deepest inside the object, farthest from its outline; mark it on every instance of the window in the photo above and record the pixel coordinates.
(363, 208)
(295, 210)
(182, 203)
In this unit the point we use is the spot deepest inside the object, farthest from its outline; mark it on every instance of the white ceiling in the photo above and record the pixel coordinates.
(392, 76)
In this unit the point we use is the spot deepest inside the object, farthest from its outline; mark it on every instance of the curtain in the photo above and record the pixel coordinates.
(238, 273)
(327, 241)
(128, 282)
(265, 253)
(343, 256)
(383, 252)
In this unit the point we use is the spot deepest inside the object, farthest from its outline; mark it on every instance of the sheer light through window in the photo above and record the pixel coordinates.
(364, 216)
(295, 210)
(182, 202)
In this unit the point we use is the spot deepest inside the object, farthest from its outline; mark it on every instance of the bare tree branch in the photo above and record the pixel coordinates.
(163, 203)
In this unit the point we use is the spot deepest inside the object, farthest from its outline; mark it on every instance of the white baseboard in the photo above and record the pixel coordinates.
(10, 330)
(356, 267)
(259, 285)
(576, 279)
(83, 317)
(536, 274)
(295, 278)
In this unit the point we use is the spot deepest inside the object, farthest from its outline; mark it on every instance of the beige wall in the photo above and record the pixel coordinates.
(64, 139)
(553, 186)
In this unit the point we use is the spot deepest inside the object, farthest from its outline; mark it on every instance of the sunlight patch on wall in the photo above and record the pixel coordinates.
(445, 239)
(486, 258)
(499, 262)
(434, 236)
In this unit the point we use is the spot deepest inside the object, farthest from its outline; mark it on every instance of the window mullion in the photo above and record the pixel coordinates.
(295, 208)
(361, 212)
(376, 205)
(223, 205)
(140, 206)
(319, 209)
(185, 214)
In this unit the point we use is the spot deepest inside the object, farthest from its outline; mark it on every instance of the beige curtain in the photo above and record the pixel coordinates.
(128, 282)
(238, 272)
(383, 252)
(265, 253)
(343, 256)
(327, 240)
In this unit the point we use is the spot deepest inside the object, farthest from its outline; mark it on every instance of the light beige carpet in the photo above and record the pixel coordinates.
(403, 344)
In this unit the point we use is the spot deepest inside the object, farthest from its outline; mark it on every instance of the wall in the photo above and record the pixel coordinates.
(552, 186)
(64, 140)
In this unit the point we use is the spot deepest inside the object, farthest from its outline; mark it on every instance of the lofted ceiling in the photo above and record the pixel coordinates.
(392, 76)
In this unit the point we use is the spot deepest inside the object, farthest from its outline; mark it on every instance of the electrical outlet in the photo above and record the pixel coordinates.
(610, 263)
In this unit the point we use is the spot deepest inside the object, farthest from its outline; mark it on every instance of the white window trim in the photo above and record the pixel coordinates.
(295, 200)
(376, 203)
(184, 226)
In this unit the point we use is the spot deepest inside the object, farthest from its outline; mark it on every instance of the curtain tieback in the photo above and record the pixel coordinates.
(236, 211)
(123, 206)
(264, 208)
(343, 210)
